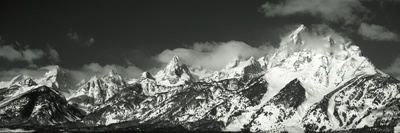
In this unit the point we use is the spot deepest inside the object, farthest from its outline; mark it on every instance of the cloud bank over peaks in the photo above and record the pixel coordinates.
(10, 53)
(17, 52)
(318, 38)
(350, 14)
(377, 33)
(89, 70)
(53, 55)
(345, 11)
(213, 55)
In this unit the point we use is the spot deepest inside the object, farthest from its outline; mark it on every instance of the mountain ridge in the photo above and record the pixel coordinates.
(300, 87)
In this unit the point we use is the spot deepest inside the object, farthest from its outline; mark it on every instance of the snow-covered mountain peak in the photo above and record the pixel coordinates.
(263, 62)
(309, 42)
(233, 63)
(18, 80)
(174, 73)
(293, 37)
(238, 63)
(237, 68)
(173, 63)
(53, 71)
(97, 90)
(113, 76)
(252, 60)
(323, 61)
(146, 75)
(198, 72)
(113, 73)
(60, 78)
(94, 78)
(318, 39)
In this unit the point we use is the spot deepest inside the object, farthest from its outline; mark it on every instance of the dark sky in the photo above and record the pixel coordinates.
(139, 29)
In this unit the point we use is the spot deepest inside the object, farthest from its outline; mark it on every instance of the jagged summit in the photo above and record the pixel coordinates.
(237, 68)
(321, 63)
(238, 62)
(114, 77)
(198, 72)
(97, 90)
(263, 62)
(19, 80)
(294, 36)
(60, 78)
(94, 78)
(318, 38)
(175, 61)
(174, 73)
(146, 75)
(251, 59)
(173, 65)
(53, 71)
(233, 63)
(113, 73)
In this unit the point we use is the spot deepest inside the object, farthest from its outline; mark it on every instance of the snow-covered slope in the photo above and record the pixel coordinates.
(198, 72)
(320, 70)
(19, 80)
(237, 68)
(280, 112)
(366, 101)
(38, 106)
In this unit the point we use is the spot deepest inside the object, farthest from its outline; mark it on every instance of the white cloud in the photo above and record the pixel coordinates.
(92, 69)
(53, 54)
(347, 12)
(319, 38)
(73, 35)
(213, 55)
(28, 54)
(377, 32)
(329, 10)
(394, 69)
(8, 52)
(89, 42)
(6, 75)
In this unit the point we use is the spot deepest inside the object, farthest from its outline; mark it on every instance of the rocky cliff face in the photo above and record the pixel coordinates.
(94, 94)
(366, 101)
(174, 73)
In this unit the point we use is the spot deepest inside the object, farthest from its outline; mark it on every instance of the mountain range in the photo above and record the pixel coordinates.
(298, 88)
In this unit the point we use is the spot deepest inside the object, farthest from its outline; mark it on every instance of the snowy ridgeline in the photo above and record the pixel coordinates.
(297, 88)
